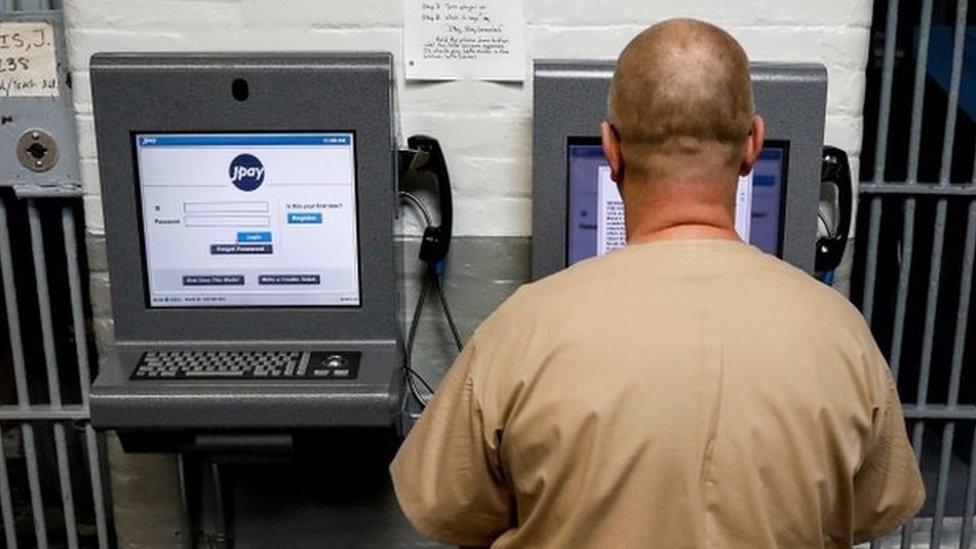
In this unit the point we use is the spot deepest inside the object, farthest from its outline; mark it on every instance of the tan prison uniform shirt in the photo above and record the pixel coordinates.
(681, 393)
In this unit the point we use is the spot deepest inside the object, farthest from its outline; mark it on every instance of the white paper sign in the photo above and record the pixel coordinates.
(28, 67)
(611, 229)
(476, 39)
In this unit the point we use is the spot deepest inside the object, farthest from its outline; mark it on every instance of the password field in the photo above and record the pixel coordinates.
(227, 221)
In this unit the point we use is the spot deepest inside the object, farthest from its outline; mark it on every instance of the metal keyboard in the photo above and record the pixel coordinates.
(248, 365)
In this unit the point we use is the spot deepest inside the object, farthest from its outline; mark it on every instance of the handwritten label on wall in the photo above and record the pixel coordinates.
(28, 67)
(482, 40)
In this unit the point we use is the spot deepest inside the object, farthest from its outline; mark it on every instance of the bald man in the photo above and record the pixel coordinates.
(686, 390)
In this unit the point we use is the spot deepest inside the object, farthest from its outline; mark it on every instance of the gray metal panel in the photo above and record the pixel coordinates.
(53, 115)
(160, 93)
(288, 92)
(124, 404)
(570, 101)
(47, 120)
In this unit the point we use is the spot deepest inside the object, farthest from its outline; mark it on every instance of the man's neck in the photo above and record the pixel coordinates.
(691, 231)
(675, 213)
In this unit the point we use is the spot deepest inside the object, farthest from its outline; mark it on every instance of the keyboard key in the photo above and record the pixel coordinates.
(212, 374)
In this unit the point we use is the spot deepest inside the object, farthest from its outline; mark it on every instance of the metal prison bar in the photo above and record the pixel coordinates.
(42, 223)
(874, 193)
(61, 416)
(29, 5)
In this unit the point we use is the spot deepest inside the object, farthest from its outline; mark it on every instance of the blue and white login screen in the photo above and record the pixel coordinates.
(249, 220)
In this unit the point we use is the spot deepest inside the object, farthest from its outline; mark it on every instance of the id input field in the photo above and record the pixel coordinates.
(227, 221)
(222, 207)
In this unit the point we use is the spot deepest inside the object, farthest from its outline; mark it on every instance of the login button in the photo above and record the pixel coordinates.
(258, 236)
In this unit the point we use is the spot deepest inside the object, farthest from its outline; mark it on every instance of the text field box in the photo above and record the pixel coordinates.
(225, 207)
(226, 221)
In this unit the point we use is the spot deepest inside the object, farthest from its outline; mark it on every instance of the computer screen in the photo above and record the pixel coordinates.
(595, 224)
(249, 219)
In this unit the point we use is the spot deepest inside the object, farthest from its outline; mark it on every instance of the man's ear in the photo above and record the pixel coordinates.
(753, 145)
(612, 151)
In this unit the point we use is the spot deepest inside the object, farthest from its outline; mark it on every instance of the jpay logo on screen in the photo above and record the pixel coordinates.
(246, 172)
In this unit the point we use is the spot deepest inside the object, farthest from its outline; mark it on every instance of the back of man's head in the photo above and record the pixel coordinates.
(681, 103)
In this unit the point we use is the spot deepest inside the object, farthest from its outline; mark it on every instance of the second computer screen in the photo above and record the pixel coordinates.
(595, 217)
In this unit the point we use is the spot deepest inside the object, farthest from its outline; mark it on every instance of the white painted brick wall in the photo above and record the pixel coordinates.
(484, 127)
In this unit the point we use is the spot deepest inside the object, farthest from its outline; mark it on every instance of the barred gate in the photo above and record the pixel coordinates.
(53, 481)
(913, 265)
(29, 5)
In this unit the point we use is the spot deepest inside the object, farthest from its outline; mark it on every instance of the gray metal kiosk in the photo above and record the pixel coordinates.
(222, 176)
(570, 104)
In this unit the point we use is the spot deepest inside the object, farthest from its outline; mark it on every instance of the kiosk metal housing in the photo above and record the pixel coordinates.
(570, 102)
(283, 92)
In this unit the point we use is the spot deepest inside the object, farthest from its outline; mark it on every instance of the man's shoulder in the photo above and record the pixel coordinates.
(756, 271)
(630, 276)
(535, 305)
(802, 285)
(824, 314)
(561, 287)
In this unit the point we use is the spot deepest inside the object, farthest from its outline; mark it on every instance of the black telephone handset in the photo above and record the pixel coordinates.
(425, 155)
(836, 169)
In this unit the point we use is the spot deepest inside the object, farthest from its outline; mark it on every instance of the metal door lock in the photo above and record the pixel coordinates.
(37, 150)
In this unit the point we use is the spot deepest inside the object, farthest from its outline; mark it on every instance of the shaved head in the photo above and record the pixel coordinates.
(681, 128)
(681, 88)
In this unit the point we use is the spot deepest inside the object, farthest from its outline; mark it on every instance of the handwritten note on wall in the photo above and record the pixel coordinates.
(28, 67)
(476, 39)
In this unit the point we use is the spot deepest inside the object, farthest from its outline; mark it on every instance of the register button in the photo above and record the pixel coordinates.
(304, 218)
